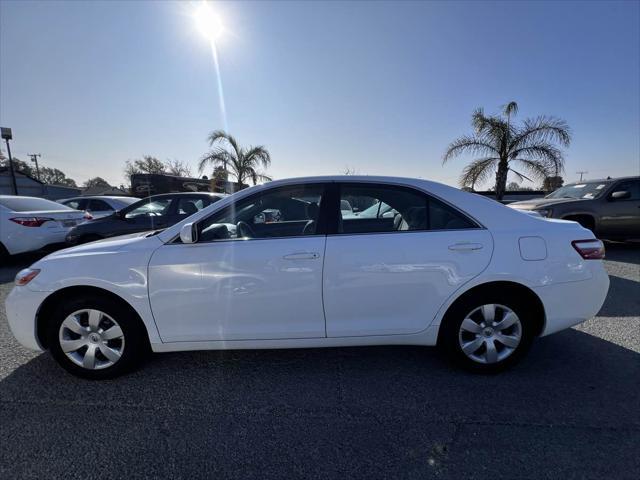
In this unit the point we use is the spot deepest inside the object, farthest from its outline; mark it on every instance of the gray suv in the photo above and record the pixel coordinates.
(610, 208)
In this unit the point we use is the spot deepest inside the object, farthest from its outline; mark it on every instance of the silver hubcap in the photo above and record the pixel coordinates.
(490, 333)
(91, 339)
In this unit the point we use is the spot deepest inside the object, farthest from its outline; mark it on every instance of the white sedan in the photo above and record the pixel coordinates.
(99, 206)
(448, 268)
(32, 223)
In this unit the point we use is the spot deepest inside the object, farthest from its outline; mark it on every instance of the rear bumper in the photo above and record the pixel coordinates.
(30, 243)
(571, 303)
(22, 307)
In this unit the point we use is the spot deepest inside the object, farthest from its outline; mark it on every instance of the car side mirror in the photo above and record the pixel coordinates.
(621, 195)
(189, 233)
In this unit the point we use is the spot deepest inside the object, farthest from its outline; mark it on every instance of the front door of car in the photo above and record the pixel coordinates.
(251, 275)
(388, 274)
(621, 215)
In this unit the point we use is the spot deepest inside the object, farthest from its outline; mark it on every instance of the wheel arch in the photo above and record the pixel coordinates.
(507, 288)
(49, 303)
(589, 220)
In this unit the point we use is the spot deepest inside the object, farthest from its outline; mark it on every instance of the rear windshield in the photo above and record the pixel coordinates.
(31, 204)
(127, 200)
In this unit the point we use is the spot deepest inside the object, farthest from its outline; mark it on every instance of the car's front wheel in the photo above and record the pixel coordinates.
(96, 338)
(488, 333)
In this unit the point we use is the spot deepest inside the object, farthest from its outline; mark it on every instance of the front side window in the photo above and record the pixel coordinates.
(388, 208)
(282, 212)
(154, 208)
(632, 187)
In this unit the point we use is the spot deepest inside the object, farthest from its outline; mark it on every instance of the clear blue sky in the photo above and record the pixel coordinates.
(379, 87)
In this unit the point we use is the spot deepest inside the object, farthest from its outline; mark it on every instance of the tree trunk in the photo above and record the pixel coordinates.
(501, 179)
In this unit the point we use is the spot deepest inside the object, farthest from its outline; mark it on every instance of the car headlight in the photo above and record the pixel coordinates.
(25, 276)
(544, 212)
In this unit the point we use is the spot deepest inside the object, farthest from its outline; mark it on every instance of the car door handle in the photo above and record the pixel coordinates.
(302, 256)
(465, 247)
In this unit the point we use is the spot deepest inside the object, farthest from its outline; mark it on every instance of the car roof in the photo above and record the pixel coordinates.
(97, 197)
(185, 194)
(604, 180)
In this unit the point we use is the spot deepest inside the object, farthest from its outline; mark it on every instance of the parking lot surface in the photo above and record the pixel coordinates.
(571, 409)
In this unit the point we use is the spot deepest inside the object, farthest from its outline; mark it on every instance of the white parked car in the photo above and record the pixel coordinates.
(450, 268)
(32, 223)
(100, 205)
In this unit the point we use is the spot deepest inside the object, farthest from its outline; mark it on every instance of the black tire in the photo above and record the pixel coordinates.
(449, 337)
(136, 344)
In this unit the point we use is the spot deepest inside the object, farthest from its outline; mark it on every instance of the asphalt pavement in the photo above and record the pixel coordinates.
(571, 409)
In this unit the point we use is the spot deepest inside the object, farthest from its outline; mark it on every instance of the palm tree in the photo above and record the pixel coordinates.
(243, 163)
(503, 147)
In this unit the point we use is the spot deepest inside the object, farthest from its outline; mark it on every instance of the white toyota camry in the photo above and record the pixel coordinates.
(278, 266)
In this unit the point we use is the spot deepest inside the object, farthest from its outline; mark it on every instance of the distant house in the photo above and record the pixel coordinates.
(104, 190)
(32, 187)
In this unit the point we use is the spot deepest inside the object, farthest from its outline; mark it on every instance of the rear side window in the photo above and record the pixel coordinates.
(389, 208)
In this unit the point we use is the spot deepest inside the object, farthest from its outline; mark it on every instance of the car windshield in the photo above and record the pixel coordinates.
(31, 204)
(149, 208)
(579, 190)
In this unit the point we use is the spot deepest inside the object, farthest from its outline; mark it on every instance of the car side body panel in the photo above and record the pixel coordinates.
(120, 265)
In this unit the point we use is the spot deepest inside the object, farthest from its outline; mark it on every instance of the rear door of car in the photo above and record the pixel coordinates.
(389, 274)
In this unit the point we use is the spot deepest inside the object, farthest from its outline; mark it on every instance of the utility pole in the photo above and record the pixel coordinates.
(34, 158)
(583, 172)
(6, 135)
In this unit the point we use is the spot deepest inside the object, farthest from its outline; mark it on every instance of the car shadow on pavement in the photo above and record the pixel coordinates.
(571, 406)
(623, 299)
(623, 252)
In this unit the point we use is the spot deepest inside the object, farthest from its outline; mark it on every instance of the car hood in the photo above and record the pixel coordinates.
(543, 203)
(107, 246)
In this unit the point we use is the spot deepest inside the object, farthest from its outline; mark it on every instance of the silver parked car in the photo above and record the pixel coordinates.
(99, 206)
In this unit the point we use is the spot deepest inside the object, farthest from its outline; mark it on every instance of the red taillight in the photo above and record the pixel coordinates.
(589, 249)
(88, 216)
(30, 221)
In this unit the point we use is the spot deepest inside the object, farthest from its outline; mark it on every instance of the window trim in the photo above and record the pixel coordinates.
(321, 230)
(333, 231)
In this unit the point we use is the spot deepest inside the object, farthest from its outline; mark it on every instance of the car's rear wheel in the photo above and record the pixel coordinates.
(96, 338)
(488, 333)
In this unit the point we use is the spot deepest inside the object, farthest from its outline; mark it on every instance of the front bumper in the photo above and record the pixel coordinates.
(22, 307)
(570, 303)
